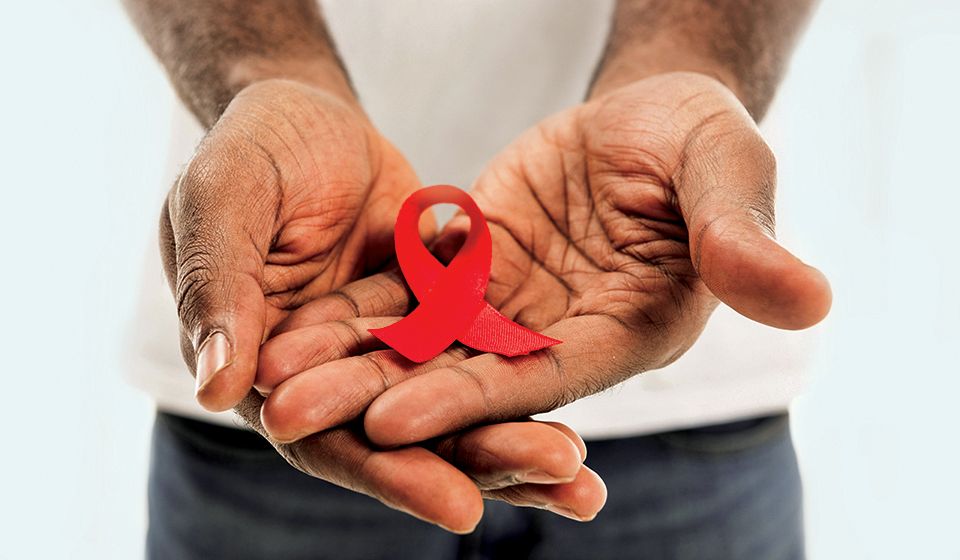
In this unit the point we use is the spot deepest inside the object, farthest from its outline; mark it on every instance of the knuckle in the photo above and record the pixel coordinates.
(767, 158)
(762, 212)
(346, 301)
(293, 454)
(226, 168)
(309, 456)
(196, 270)
(760, 202)
(477, 381)
(338, 342)
(379, 380)
(564, 393)
(168, 246)
(386, 294)
(193, 191)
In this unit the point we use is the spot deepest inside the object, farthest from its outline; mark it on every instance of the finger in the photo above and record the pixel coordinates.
(379, 295)
(216, 237)
(296, 351)
(597, 352)
(411, 479)
(336, 392)
(725, 188)
(580, 499)
(572, 436)
(500, 455)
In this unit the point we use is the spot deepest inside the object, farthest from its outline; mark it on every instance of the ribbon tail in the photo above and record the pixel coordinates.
(493, 332)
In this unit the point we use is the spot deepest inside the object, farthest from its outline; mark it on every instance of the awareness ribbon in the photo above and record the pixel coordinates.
(451, 299)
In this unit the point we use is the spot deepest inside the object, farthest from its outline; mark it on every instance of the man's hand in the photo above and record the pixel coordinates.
(291, 195)
(617, 226)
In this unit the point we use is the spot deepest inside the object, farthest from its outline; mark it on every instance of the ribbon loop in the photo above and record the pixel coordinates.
(451, 299)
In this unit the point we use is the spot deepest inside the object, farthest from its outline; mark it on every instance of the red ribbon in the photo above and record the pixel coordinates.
(451, 298)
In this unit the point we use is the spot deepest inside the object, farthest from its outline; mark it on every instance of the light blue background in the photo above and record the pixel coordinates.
(866, 129)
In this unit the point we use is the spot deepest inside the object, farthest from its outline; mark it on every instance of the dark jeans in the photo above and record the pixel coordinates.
(730, 491)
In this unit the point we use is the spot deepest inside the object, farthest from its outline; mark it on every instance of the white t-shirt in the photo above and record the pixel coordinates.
(451, 84)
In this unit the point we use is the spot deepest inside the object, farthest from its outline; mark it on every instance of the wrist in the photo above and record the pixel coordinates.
(744, 45)
(208, 91)
(326, 75)
(620, 71)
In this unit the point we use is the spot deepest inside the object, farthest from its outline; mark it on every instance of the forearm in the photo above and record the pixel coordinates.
(743, 43)
(212, 49)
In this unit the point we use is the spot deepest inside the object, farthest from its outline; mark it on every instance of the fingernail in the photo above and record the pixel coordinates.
(541, 477)
(566, 512)
(214, 355)
(458, 531)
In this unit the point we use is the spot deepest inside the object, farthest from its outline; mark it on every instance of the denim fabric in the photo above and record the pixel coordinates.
(729, 491)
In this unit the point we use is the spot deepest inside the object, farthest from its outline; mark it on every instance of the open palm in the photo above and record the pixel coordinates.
(617, 226)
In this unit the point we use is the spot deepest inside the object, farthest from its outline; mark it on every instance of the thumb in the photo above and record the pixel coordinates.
(213, 245)
(725, 186)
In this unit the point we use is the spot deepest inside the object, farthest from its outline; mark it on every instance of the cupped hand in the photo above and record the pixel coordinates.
(291, 195)
(617, 225)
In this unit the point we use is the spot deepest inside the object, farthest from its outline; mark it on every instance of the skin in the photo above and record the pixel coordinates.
(291, 195)
(618, 225)
(640, 208)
